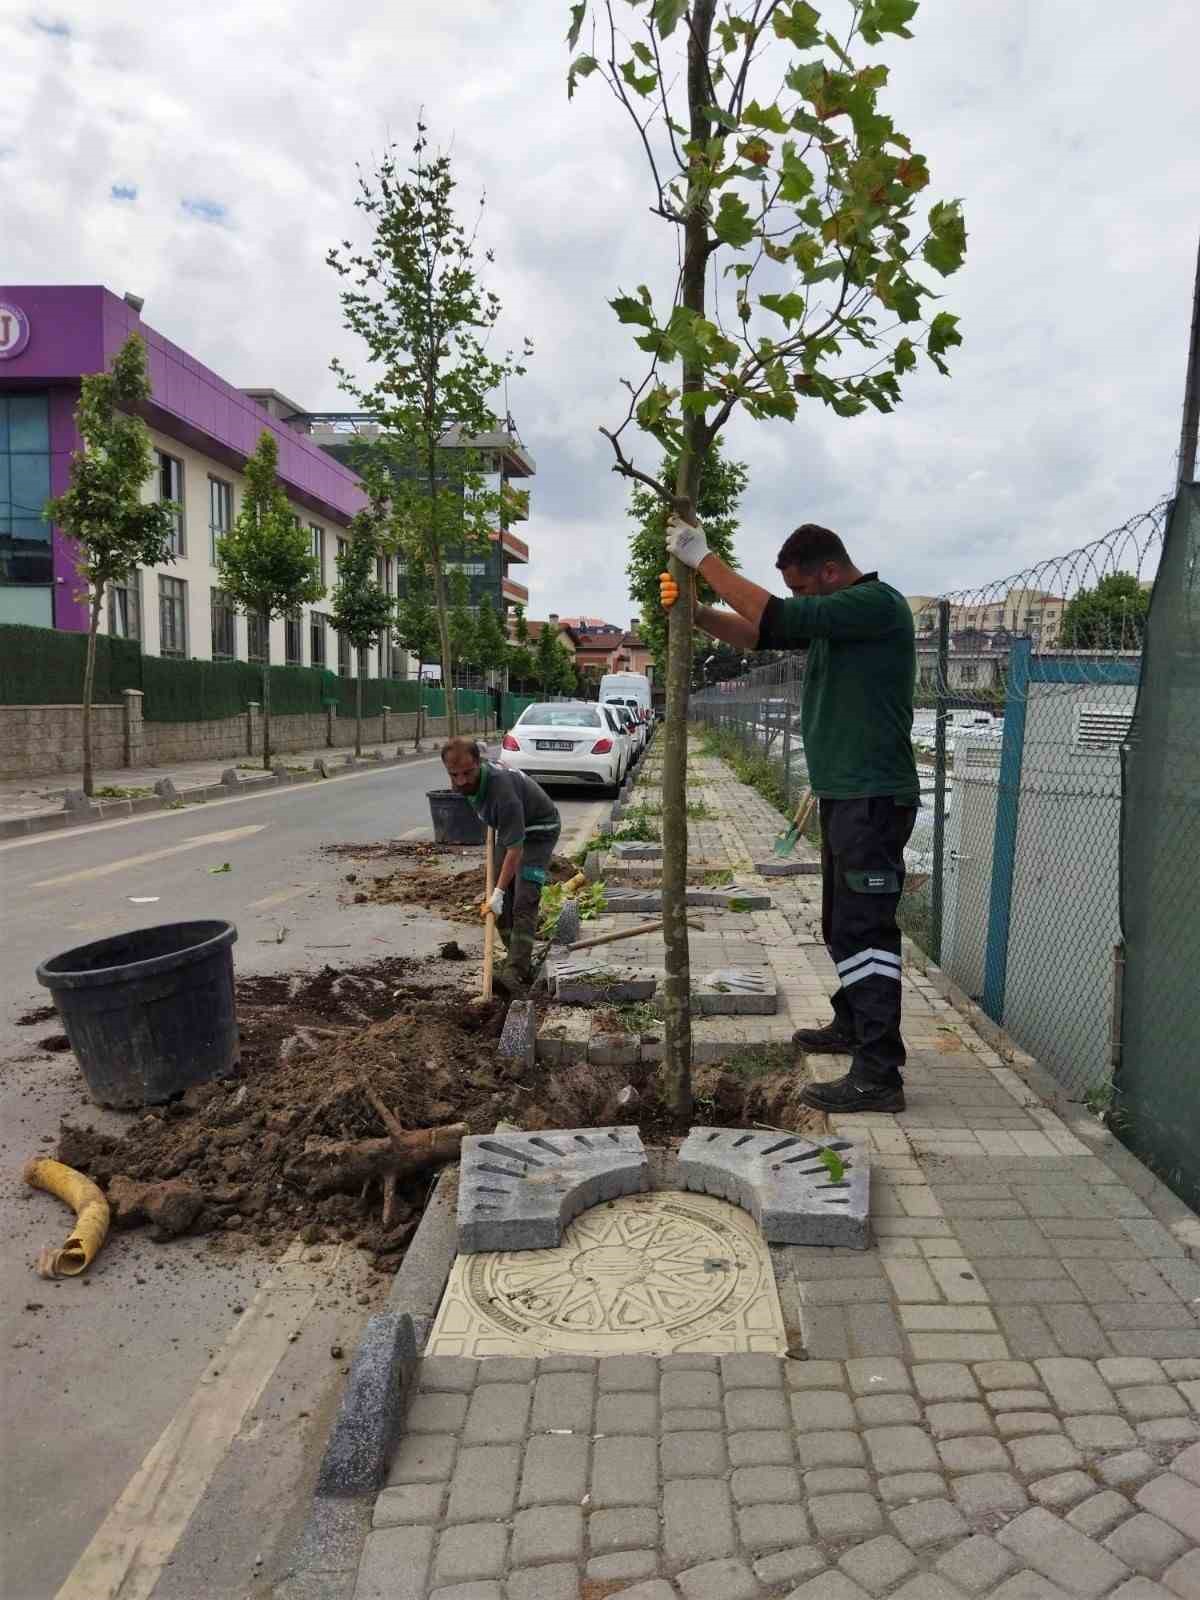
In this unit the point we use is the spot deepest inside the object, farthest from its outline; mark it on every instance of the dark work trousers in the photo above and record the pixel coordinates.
(862, 876)
(518, 921)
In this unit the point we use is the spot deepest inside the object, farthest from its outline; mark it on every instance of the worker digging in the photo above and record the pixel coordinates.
(526, 826)
(856, 718)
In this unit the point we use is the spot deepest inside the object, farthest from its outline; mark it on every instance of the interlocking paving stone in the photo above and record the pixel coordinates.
(830, 1450)
(1100, 1513)
(878, 1564)
(623, 1564)
(989, 1493)
(755, 1485)
(957, 1418)
(697, 1521)
(1062, 1490)
(469, 1551)
(780, 1180)
(788, 1566)
(1130, 1466)
(928, 1522)
(878, 1375)
(411, 1502)
(767, 1527)
(547, 1533)
(974, 1453)
(764, 1448)
(694, 1455)
(555, 1470)
(1099, 1433)
(631, 1528)
(905, 1486)
(423, 1458)
(845, 1516)
(976, 1564)
(718, 1580)
(816, 1409)
(559, 1582)
(624, 1472)
(902, 1449)
(1042, 1454)
(518, 1191)
(945, 1380)
(484, 1485)
(1182, 1577)
(1146, 1544)
(1059, 1551)
(1175, 1500)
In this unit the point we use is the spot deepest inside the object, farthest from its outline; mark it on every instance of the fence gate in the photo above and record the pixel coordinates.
(1157, 1082)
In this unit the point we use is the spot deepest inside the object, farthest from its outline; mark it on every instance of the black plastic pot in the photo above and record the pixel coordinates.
(148, 1013)
(454, 822)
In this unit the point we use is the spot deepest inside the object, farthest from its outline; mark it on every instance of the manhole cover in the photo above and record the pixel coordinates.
(649, 1273)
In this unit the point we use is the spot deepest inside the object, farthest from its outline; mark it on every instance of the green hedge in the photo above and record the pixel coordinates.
(204, 691)
(44, 667)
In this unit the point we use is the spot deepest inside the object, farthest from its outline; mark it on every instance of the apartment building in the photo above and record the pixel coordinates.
(202, 429)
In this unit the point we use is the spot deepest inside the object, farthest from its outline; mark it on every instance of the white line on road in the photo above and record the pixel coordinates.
(280, 897)
(106, 868)
(133, 1544)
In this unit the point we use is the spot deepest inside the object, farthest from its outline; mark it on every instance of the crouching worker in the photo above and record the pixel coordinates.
(527, 827)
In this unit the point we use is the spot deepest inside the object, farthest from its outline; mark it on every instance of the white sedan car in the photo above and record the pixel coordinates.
(565, 743)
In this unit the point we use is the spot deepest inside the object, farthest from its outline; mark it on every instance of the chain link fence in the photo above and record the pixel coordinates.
(1025, 697)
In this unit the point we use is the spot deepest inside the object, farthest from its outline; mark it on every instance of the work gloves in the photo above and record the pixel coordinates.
(493, 905)
(686, 542)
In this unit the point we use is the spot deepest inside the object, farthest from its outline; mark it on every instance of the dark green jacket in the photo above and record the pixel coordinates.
(514, 805)
(857, 709)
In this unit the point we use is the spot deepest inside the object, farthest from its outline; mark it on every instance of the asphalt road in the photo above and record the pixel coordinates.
(159, 1420)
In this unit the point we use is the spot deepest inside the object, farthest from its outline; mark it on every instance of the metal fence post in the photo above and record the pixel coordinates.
(787, 760)
(939, 781)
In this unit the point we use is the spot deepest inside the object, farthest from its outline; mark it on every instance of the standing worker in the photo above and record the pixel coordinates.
(527, 827)
(856, 718)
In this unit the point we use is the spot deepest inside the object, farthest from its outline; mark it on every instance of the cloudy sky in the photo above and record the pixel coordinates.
(203, 156)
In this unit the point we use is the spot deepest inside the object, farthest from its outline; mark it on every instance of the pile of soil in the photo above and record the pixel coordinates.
(451, 889)
(312, 1046)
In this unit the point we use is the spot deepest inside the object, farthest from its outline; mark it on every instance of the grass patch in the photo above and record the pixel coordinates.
(640, 1016)
(755, 769)
(718, 878)
(115, 791)
(759, 1061)
(634, 830)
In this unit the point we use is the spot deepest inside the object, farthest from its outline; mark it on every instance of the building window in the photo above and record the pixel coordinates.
(125, 607)
(318, 549)
(220, 513)
(258, 637)
(172, 616)
(293, 640)
(343, 656)
(224, 626)
(25, 556)
(968, 672)
(170, 487)
(316, 638)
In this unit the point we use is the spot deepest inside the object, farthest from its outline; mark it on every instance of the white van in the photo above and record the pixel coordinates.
(631, 689)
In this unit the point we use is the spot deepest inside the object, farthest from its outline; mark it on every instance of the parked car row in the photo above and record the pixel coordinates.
(577, 742)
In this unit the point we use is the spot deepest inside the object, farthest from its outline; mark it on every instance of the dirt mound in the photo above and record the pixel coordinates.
(453, 889)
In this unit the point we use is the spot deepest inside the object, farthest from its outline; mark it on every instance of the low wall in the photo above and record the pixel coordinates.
(47, 741)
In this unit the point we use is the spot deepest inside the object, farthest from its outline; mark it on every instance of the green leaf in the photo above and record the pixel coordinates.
(630, 310)
(833, 1163)
(769, 118)
(886, 16)
(798, 24)
(642, 52)
(904, 357)
(667, 13)
(947, 242)
(581, 67)
(696, 401)
(796, 180)
(578, 13)
(733, 224)
(643, 85)
(788, 306)
(943, 335)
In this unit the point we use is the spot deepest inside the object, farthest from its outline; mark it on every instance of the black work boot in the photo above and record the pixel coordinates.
(512, 981)
(830, 1040)
(845, 1094)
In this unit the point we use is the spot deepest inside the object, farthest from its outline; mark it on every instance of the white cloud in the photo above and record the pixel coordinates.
(1069, 131)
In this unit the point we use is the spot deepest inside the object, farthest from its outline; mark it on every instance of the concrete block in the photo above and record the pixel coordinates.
(230, 779)
(519, 1192)
(368, 1422)
(780, 1180)
(81, 809)
(518, 1039)
(591, 866)
(636, 850)
(166, 790)
(322, 766)
(785, 867)
(736, 991)
(576, 981)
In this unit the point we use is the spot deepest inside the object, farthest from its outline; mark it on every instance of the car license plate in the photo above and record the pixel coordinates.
(555, 744)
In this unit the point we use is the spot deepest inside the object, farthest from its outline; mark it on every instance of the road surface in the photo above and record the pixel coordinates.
(157, 1414)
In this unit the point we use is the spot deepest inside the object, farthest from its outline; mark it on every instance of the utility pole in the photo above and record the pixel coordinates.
(1191, 395)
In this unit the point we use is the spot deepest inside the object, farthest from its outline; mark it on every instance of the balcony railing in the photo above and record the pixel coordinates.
(516, 592)
(515, 549)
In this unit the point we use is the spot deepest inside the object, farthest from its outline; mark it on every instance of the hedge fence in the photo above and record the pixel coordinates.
(44, 667)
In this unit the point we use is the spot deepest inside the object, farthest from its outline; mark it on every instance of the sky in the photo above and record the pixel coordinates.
(205, 159)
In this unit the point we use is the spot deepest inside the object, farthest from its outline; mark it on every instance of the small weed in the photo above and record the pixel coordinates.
(759, 1060)
(640, 1016)
(737, 903)
(116, 792)
(698, 811)
(718, 878)
(833, 1164)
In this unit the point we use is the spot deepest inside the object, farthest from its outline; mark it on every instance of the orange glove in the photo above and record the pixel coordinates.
(668, 590)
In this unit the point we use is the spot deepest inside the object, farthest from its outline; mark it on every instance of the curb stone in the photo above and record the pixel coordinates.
(369, 1418)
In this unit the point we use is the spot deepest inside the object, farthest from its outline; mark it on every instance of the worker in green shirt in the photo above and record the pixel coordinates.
(856, 719)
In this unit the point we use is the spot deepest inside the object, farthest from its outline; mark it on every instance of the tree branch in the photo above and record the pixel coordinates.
(627, 469)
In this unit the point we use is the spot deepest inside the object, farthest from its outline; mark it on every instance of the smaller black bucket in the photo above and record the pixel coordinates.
(454, 822)
(148, 1013)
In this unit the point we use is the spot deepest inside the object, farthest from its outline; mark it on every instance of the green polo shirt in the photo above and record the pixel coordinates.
(857, 710)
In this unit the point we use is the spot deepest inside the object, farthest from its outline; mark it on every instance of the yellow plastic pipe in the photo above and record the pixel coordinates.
(91, 1216)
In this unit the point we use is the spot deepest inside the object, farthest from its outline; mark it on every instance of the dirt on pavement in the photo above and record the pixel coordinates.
(445, 879)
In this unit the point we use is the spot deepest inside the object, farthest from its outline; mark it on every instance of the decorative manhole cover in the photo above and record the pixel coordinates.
(649, 1273)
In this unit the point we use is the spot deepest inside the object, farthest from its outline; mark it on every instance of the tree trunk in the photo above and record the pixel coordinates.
(89, 689)
(417, 733)
(328, 1165)
(358, 706)
(266, 694)
(676, 1070)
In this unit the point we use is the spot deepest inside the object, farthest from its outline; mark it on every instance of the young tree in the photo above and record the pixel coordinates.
(416, 300)
(1112, 616)
(491, 645)
(103, 510)
(417, 629)
(721, 486)
(464, 637)
(265, 562)
(520, 628)
(521, 665)
(361, 609)
(769, 159)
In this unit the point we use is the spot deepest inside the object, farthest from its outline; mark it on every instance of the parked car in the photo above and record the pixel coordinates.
(620, 733)
(566, 743)
(627, 716)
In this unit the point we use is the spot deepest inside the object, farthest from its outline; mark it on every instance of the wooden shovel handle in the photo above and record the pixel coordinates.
(489, 937)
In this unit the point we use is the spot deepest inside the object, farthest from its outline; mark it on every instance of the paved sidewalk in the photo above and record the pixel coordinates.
(1000, 1398)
